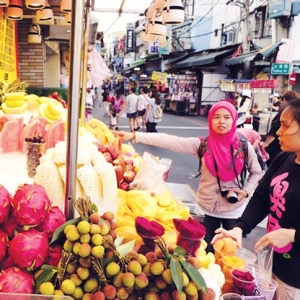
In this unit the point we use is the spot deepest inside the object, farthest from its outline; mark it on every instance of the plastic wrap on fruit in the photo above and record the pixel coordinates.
(190, 233)
(149, 231)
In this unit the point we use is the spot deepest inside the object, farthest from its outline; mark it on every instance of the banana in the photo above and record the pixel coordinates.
(43, 112)
(14, 103)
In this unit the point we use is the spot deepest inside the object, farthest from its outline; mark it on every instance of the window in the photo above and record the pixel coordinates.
(262, 25)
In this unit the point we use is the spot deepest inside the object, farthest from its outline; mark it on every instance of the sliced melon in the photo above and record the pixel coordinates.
(14, 103)
(55, 107)
(15, 96)
(14, 110)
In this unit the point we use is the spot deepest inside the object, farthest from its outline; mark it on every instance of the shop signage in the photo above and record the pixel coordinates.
(130, 40)
(264, 84)
(8, 59)
(286, 51)
(280, 69)
(159, 76)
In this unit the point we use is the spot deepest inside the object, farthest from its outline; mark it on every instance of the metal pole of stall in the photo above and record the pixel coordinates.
(74, 104)
(85, 58)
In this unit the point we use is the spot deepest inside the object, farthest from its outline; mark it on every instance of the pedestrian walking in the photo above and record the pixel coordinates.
(131, 103)
(151, 119)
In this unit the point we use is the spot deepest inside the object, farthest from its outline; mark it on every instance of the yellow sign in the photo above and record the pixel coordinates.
(159, 76)
(8, 64)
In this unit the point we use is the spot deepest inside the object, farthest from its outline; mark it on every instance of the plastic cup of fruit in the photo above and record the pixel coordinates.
(34, 153)
(248, 256)
(189, 244)
(267, 287)
(219, 255)
(228, 264)
(231, 296)
(243, 286)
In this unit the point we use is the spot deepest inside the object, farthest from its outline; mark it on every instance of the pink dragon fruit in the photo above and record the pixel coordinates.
(53, 220)
(6, 262)
(11, 226)
(3, 244)
(29, 249)
(5, 201)
(15, 280)
(30, 204)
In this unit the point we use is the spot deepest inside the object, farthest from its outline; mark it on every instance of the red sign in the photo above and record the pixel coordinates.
(292, 78)
(264, 84)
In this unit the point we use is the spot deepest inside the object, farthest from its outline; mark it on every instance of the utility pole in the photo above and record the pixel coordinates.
(246, 15)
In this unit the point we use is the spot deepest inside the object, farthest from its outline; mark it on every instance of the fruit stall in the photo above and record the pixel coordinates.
(79, 219)
(125, 240)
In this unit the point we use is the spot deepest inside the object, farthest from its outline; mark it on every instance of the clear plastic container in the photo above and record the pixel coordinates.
(231, 296)
(267, 287)
(243, 286)
(256, 270)
(248, 256)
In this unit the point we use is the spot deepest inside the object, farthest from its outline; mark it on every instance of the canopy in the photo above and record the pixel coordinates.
(253, 55)
(205, 58)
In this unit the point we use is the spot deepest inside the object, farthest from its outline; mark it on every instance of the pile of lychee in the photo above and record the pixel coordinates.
(133, 276)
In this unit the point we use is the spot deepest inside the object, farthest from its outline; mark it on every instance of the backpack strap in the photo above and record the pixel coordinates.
(201, 151)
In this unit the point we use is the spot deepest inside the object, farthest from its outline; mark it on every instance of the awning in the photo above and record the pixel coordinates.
(201, 60)
(240, 58)
(253, 55)
(138, 63)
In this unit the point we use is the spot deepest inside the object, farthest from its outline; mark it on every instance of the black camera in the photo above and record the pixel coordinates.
(232, 197)
(224, 192)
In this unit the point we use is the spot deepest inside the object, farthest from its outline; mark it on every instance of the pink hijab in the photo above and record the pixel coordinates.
(220, 146)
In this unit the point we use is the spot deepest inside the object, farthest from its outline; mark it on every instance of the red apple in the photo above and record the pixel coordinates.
(108, 157)
(101, 148)
(129, 162)
(119, 174)
(129, 176)
(124, 186)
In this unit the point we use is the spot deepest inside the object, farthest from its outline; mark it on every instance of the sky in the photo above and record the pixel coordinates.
(111, 21)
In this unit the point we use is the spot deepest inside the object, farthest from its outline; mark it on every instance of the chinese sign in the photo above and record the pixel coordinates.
(264, 84)
(154, 47)
(8, 65)
(159, 76)
(280, 69)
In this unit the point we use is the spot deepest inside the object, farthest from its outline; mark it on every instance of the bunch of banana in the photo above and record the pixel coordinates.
(161, 208)
(100, 131)
(51, 110)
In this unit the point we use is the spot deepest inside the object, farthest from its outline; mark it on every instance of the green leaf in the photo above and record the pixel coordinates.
(61, 228)
(106, 261)
(176, 272)
(45, 276)
(48, 267)
(124, 249)
(179, 251)
(194, 275)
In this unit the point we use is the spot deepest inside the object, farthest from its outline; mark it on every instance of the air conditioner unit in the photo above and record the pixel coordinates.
(231, 36)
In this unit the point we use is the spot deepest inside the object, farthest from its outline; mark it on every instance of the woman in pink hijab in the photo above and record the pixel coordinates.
(221, 167)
